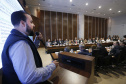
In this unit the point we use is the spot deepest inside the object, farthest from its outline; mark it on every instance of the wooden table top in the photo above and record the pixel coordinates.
(64, 76)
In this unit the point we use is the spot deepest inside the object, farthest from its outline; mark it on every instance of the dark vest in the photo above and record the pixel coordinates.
(9, 74)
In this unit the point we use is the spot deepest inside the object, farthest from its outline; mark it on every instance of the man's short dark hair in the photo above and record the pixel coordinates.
(124, 36)
(17, 16)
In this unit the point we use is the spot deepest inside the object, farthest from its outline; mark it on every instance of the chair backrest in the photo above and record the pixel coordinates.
(95, 53)
(119, 56)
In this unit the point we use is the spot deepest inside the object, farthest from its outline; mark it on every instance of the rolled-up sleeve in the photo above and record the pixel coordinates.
(24, 65)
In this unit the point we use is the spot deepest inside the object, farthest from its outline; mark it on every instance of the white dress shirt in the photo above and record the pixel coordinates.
(23, 62)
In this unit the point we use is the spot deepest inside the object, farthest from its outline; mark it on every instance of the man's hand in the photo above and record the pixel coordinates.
(56, 62)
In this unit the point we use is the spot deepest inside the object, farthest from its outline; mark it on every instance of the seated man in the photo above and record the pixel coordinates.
(103, 57)
(102, 50)
(123, 49)
(89, 40)
(66, 42)
(48, 43)
(93, 40)
(82, 50)
(67, 49)
(54, 42)
(116, 49)
(60, 42)
(37, 39)
(115, 52)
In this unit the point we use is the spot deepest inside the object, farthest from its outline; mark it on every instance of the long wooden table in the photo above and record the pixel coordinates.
(74, 47)
(67, 74)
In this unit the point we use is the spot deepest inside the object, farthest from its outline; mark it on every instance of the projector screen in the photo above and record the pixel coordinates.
(6, 8)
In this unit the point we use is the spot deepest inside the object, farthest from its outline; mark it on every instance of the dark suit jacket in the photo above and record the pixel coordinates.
(84, 52)
(102, 51)
(115, 51)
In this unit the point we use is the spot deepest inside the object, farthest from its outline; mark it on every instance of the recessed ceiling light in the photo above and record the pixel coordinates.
(86, 4)
(39, 4)
(119, 11)
(110, 9)
(70, 0)
(99, 7)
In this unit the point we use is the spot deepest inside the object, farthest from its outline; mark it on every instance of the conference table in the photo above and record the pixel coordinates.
(57, 48)
(67, 74)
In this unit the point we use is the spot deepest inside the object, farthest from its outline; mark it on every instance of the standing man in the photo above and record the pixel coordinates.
(20, 58)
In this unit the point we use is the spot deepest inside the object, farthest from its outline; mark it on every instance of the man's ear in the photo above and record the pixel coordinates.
(23, 23)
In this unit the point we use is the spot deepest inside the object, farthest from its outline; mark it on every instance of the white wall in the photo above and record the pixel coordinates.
(81, 25)
(33, 11)
(117, 26)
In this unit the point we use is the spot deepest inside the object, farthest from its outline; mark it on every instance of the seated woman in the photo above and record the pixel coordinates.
(108, 40)
(85, 41)
(48, 43)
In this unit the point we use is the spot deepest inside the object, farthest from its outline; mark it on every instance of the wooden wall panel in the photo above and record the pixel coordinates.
(74, 26)
(97, 27)
(47, 25)
(86, 27)
(59, 24)
(53, 24)
(90, 27)
(106, 27)
(103, 28)
(41, 29)
(100, 28)
(70, 30)
(93, 27)
(65, 26)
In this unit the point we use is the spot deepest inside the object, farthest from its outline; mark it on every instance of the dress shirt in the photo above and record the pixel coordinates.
(23, 61)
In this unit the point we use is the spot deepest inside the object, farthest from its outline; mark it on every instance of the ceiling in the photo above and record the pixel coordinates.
(80, 7)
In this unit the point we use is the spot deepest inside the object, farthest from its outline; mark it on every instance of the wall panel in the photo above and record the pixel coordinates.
(65, 26)
(70, 26)
(41, 29)
(97, 27)
(93, 28)
(90, 26)
(59, 24)
(106, 22)
(103, 32)
(53, 24)
(47, 25)
(74, 25)
(86, 27)
(100, 28)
